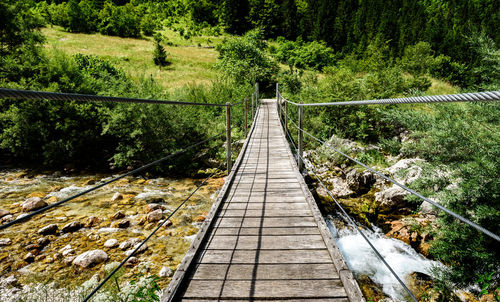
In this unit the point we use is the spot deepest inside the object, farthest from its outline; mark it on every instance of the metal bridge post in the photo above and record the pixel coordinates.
(286, 118)
(301, 139)
(256, 93)
(246, 117)
(253, 98)
(228, 137)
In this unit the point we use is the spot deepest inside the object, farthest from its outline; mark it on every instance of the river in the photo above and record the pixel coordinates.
(51, 255)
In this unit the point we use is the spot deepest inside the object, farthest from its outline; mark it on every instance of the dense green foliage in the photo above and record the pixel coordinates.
(244, 59)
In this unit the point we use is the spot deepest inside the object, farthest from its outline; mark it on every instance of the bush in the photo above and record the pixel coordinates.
(418, 59)
(119, 21)
(243, 59)
(148, 25)
(312, 55)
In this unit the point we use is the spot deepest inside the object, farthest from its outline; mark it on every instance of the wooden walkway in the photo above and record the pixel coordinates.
(264, 238)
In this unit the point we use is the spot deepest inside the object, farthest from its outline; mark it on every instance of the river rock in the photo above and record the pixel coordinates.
(90, 258)
(68, 260)
(92, 221)
(3, 213)
(166, 272)
(33, 203)
(7, 218)
(29, 257)
(123, 224)
(48, 230)
(43, 241)
(118, 215)
(390, 199)
(111, 243)
(155, 215)
(5, 241)
(131, 242)
(143, 248)
(71, 227)
(117, 197)
(132, 261)
(167, 224)
(33, 246)
(153, 207)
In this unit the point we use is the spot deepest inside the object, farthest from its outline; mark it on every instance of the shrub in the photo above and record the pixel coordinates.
(148, 25)
(418, 59)
(243, 59)
(119, 20)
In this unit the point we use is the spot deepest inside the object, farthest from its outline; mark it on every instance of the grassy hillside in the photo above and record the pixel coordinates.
(191, 60)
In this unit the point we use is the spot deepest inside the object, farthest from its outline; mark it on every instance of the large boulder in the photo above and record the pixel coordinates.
(90, 258)
(406, 170)
(33, 203)
(360, 181)
(391, 199)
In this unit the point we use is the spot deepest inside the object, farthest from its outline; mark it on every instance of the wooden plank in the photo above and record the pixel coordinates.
(265, 256)
(265, 222)
(301, 271)
(297, 242)
(265, 212)
(268, 206)
(266, 198)
(266, 231)
(265, 289)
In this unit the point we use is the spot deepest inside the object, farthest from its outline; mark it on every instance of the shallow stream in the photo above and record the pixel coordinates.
(165, 249)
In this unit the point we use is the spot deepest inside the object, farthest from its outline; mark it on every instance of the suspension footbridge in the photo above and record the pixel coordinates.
(264, 238)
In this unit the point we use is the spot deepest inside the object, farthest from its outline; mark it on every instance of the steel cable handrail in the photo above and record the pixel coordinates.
(437, 205)
(39, 211)
(486, 96)
(150, 235)
(59, 96)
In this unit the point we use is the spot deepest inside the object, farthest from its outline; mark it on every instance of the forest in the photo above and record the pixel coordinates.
(318, 50)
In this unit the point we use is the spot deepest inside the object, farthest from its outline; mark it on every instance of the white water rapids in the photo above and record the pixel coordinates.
(361, 259)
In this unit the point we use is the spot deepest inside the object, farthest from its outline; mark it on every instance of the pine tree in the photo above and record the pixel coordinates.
(159, 55)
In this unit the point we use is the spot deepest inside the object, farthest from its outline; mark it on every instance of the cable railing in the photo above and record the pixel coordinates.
(40, 95)
(282, 107)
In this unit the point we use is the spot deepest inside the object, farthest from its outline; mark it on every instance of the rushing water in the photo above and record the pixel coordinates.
(361, 259)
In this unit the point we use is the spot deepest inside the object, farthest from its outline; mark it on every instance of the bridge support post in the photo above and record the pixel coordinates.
(301, 140)
(246, 117)
(253, 99)
(286, 118)
(256, 93)
(228, 137)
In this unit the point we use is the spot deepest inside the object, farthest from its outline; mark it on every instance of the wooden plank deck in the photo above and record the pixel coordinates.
(264, 239)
